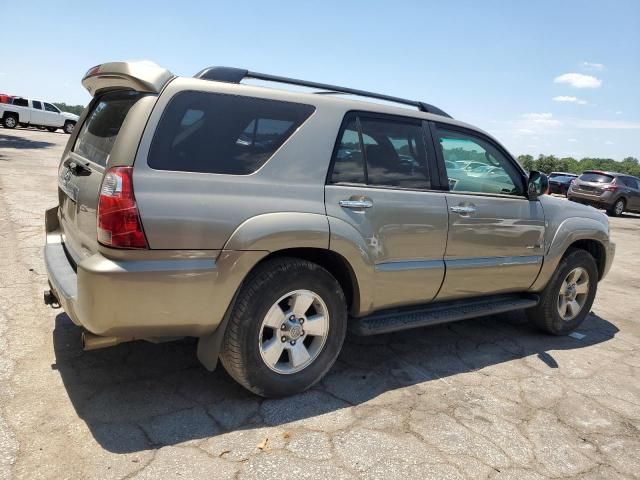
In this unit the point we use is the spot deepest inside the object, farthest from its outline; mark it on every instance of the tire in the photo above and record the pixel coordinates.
(617, 209)
(10, 121)
(68, 127)
(546, 315)
(52, 129)
(243, 357)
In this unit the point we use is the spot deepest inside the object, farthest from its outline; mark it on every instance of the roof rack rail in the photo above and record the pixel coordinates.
(236, 75)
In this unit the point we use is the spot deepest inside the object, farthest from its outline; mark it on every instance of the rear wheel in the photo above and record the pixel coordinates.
(286, 328)
(9, 121)
(567, 299)
(68, 127)
(617, 208)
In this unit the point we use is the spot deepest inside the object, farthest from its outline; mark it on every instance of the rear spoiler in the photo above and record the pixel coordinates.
(141, 76)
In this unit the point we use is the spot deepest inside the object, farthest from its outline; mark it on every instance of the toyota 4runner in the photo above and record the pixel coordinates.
(268, 222)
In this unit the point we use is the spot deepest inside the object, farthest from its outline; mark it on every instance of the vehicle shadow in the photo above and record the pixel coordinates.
(9, 141)
(141, 396)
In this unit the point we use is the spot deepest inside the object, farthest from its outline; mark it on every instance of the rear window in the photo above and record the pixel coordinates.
(20, 102)
(100, 130)
(218, 133)
(596, 177)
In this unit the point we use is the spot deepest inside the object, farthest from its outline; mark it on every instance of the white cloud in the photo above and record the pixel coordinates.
(592, 66)
(578, 80)
(572, 140)
(525, 131)
(541, 118)
(619, 112)
(608, 142)
(569, 99)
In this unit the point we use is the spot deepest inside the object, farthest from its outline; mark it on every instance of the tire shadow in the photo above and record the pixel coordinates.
(141, 396)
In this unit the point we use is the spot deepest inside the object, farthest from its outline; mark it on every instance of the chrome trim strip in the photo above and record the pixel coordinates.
(463, 263)
(409, 265)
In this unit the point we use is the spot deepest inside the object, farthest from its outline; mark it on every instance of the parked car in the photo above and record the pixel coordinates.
(614, 192)
(267, 222)
(25, 112)
(559, 182)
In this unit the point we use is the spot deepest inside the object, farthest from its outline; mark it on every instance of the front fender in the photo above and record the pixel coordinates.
(568, 232)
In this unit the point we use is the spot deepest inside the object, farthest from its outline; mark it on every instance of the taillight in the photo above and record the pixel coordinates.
(119, 223)
(612, 187)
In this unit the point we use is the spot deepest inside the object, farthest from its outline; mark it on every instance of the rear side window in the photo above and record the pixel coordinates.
(596, 177)
(37, 105)
(381, 152)
(100, 130)
(217, 133)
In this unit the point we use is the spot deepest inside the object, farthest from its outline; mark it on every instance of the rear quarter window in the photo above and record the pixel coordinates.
(218, 133)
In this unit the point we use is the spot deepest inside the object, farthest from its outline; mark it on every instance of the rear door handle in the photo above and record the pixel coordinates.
(359, 203)
(463, 210)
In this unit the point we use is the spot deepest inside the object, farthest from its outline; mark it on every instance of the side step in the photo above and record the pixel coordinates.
(442, 312)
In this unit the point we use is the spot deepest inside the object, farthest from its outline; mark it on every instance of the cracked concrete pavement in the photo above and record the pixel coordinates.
(486, 398)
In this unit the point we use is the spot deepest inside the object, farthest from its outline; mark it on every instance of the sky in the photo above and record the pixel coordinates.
(555, 77)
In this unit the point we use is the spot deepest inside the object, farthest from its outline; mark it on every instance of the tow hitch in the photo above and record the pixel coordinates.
(50, 299)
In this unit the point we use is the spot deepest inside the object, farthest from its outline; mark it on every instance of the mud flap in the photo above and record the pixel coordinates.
(209, 345)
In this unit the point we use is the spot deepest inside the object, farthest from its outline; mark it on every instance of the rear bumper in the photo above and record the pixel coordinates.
(168, 293)
(604, 200)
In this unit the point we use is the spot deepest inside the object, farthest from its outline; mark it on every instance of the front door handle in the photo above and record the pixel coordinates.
(359, 203)
(464, 210)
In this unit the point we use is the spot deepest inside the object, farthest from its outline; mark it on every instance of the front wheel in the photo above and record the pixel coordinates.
(617, 208)
(286, 328)
(68, 127)
(9, 121)
(567, 299)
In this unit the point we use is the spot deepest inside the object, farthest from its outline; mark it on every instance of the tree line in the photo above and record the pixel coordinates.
(76, 109)
(551, 163)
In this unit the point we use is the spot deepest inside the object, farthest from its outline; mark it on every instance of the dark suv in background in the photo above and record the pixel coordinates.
(559, 182)
(612, 191)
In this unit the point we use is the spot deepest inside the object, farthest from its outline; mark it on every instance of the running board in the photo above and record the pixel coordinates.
(441, 312)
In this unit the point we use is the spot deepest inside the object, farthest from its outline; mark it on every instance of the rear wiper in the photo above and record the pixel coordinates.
(77, 167)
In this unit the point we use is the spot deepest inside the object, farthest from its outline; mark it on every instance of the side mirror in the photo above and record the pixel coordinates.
(538, 184)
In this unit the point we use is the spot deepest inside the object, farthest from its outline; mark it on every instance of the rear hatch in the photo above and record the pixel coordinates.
(593, 183)
(82, 169)
(95, 147)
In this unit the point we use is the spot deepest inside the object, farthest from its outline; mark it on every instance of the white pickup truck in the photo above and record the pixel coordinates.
(35, 113)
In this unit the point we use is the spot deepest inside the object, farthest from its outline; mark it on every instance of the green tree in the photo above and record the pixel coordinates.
(527, 162)
(77, 109)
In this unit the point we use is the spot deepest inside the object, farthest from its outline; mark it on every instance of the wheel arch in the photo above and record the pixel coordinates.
(333, 262)
(576, 232)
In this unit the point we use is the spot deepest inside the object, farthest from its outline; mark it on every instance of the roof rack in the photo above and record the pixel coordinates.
(236, 75)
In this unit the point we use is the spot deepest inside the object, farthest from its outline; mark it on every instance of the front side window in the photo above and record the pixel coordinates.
(37, 105)
(382, 152)
(475, 166)
(50, 108)
(217, 133)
